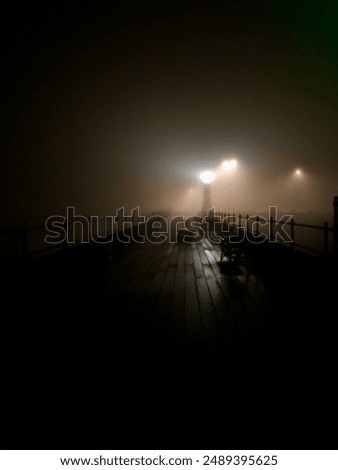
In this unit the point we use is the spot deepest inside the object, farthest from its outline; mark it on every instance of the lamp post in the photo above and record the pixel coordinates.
(299, 180)
(207, 177)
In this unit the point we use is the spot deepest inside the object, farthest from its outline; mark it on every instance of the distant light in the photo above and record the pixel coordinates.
(298, 172)
(207, 176)
(228, 165)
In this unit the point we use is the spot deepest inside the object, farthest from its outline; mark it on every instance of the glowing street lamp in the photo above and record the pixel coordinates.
(229, 165)
(298, 172)
(207, 176)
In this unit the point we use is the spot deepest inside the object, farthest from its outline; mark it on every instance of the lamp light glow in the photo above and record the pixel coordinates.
(228, 165)
(207, 177)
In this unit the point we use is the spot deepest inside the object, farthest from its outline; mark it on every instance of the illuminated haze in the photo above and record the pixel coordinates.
(111, 107)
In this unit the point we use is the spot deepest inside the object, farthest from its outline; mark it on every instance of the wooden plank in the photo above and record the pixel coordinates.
(199, 273)
(233, 294)
(204, 246)
(163, 304)
(159, 252)
(146, 257)
(193, 325)
(181, 262)
(210, 326)
(119, 270)
(216, 254)
(176, 317)
(176, 321)
(129, 290)
(185, 299)
(207, 244)
(203, 257)
(135, 290)
(250, 282)
(214, 257)
(156, 285)
(189, 254)
(161, 270)
(250, 305)
(262, 292)
(148, 271)
(174, 256)
(221, 306)
(247, 298)
(214, 265)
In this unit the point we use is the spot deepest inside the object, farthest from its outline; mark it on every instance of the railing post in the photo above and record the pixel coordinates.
(24, 242)
(240, 220)
(292, 234)
(257, 226)
(326, 241)
(335, 227)
(247, 223)
(271, 230)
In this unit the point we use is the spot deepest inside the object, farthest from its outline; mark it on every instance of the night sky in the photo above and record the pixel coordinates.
(123, 103)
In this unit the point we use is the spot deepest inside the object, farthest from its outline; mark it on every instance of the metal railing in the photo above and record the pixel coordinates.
(253, 223)
(24, 249)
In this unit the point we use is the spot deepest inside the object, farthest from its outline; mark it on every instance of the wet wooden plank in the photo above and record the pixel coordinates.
(181, 262)
(148, 257)
(258, 289)
(221, 306)
(247, 297)
(156, 283)
(214, 264)
(232, 295)
(148, 271)
(120, 268)
(203, 257)
(187, 299)
(193, 325)
(164, 302)
(174, 257)
(210, 326)
(159, 273)
(249, 305)
(176, 321)
(198, 269)
(189, 255)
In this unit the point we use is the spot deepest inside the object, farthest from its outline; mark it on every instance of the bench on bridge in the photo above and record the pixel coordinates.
(234, 247)
(237, 245)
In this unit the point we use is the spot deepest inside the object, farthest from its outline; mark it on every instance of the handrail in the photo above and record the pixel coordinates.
(250, 223)
(24, 231)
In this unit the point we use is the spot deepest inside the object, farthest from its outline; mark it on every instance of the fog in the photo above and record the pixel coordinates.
(109, 108)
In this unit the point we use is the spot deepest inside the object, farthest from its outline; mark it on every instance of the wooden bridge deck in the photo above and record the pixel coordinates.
(148, 327)
(183, 300)
(173, 304)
